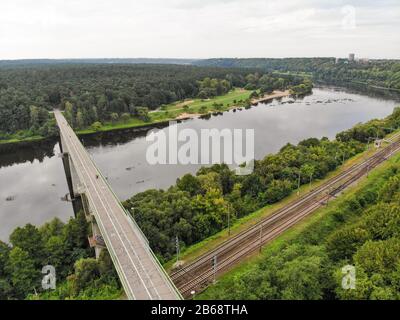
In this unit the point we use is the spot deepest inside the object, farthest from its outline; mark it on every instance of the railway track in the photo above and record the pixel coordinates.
(198, 274)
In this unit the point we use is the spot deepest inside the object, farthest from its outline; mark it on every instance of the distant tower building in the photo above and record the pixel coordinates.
(351, 57)
(337, 60)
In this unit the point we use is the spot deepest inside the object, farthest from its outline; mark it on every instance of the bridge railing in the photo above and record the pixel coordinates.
(136, 227)
(137, 230)
(107, 239)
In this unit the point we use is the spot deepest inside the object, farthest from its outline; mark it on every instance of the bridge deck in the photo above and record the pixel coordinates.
(140, 273)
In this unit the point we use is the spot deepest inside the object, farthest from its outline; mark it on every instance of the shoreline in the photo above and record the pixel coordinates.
(27, 141)
(183, 116)
(275, 95)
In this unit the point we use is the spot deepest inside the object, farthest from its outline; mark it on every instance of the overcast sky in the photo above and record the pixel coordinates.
(198, 28)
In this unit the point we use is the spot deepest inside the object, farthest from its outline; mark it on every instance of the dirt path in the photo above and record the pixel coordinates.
(275, 94)
(186, 115)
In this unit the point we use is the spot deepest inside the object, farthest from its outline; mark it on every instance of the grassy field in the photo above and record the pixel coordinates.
(320, 216)
(228, 100)
(192, 252)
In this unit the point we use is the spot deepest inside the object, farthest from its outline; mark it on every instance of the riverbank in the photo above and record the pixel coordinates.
(269, 97)
(181, 110)
(22, 140)
(189, 109)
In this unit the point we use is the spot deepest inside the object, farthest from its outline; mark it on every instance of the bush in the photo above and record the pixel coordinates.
(96, 126)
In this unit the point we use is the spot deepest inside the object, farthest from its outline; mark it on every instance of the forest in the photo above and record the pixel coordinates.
(65, 246)
(199, 206)
(93, 93)
(382, 73)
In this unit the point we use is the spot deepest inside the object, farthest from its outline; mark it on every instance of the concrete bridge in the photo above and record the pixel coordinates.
(141, 274)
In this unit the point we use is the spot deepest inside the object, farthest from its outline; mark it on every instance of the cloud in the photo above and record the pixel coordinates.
(196, 28)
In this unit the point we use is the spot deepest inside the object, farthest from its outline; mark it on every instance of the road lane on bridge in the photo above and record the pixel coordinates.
(141, 275)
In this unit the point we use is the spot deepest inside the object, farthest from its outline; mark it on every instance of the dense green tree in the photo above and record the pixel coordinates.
(76, 231)
(55, 248)
(80, 121)
(53, 228)
(212, 210)
(300, 279)
(114, 117)
(383, 221)
(106, 266)
(4, 252)
(30, 241)
(382, 73)
(24, 275)
(378, 256)
(363, 286)
(390, 189)
(343, 243)
(277, 190)
(125, 117)
(86, 272)
(98, 92)
(96, 126)
(142, 113)
(190, 184)
(302, 89)
(6, 290)
(308, 171)
(62, 246)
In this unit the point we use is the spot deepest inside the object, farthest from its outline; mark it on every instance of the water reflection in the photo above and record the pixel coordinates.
(13, 154)
(32, 183)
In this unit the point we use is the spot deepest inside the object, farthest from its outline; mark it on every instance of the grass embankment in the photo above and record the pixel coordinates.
(192, 252)
(21, 139)
(320, 217)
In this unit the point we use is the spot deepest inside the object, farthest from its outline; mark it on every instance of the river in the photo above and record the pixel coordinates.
(33, 185)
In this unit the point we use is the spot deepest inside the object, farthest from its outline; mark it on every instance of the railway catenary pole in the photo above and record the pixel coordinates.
(177, 248)
(298, 183)
(214, 262)
(229, 222)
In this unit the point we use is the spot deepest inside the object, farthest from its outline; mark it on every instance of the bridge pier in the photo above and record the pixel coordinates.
(96, 241)
(75, 197)
(80, 203)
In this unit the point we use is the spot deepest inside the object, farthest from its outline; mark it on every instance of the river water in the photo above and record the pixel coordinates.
(32, 180)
